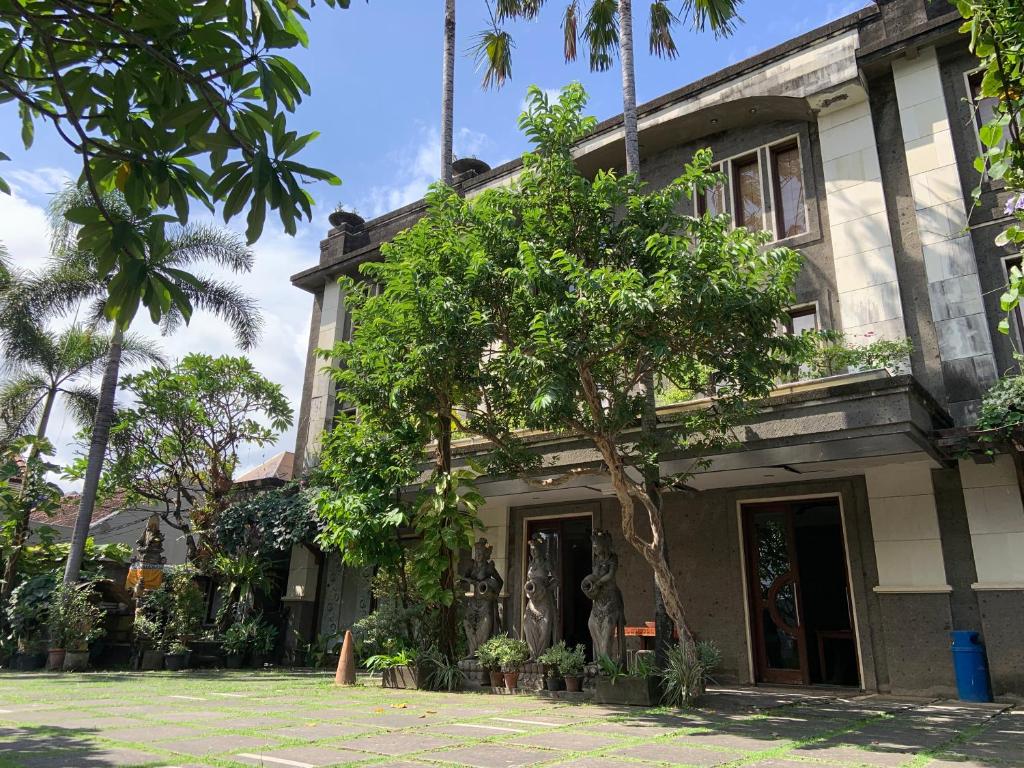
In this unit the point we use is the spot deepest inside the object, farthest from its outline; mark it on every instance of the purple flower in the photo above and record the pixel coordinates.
(1014, 204)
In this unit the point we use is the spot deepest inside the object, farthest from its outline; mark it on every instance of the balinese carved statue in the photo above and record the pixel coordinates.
(540, 622)
(607, 622)
(149, 547)
(483, 586)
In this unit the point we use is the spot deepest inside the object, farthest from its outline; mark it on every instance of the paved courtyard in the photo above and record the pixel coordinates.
(277, 719)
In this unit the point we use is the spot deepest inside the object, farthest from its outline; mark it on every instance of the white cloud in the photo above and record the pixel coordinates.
(416, 167)
(23, 230)
(40, 181)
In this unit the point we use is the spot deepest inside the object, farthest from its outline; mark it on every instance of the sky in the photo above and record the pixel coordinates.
(375, 72)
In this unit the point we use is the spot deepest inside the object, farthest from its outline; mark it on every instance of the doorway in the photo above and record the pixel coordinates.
(567, 545)
(800, 608)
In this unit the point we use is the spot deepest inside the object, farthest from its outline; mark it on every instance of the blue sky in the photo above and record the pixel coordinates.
(375, 74)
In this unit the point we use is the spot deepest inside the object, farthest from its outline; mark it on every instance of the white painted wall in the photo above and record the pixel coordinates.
(908, 546)
(996, 518)
(495, 519)
(953, 288)
(321, 401)
(866, 280)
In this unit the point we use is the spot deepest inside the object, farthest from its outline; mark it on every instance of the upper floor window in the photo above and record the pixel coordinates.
(788, 188)
(748, 198)
(713, 200)
(984, 108)
(802, 320)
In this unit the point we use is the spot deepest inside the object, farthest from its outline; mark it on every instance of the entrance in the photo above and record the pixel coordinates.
(567, 543)
(801, 612)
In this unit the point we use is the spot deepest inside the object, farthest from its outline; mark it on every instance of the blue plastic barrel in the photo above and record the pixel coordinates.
(971, 666)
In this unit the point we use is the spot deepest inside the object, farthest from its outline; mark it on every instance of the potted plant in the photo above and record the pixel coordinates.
(512, 654)
(237, 642)
(176, 657)
(263, 637)
(28, 619)
(636, 685)
(687, 672)
(398, 670)
(487, 655)
(570, 667)
(552, 661)
(75, 618)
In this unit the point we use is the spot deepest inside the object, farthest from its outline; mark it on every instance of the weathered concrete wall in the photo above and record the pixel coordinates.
(916, 629)
(1002, 622)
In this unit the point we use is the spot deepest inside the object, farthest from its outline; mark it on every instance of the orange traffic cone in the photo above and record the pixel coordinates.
(346, 674)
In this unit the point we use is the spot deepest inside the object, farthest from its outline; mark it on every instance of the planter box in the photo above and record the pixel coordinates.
(28, 661)
(76, 661)
(400, 677)
(633, 691)
(151, 660)
(175, 662)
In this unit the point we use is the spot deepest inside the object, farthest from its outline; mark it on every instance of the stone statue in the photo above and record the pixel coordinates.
(607, 622)
(540, 622)
(146, 570)
(481, 578)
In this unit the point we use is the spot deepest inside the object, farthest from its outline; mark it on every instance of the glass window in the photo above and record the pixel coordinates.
(984, 108)
(801, 320)
(790, 218)
(713, 200)
(747, 194)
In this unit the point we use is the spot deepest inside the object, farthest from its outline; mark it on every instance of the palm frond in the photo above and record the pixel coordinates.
(506, 10)
(137, 349)
(197, 243)
(602, 33)
(662, 21)
(570, 29)
(493, 52)
(720, 16)
(228, 302)
(21, 399)
(81, 401)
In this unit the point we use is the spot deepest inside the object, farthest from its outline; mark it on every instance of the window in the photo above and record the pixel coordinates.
(748, 199)
(713, 200)
(984, 108)
(1017, 318)
(788, 182)
(801, 320)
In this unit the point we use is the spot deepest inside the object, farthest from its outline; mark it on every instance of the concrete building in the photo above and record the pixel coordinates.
(848, 535)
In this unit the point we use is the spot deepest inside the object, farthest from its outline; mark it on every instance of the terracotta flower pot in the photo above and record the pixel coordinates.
(572, 684)
(554, 683)
(512, 680)
(497, 679)
(55, 660)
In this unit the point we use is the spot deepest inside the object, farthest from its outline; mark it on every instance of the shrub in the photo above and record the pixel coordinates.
(74, 620)
(687, 672)
(506, 652)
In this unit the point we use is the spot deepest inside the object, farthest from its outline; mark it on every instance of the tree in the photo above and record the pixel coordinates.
(608, 27)
(448, 93)
(168, 102)
(177, 446)
(614, 286)
(76, 277)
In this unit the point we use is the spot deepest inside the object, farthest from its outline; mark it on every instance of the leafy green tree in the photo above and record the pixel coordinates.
(169, 102)
(177, 446)
(74, 278)
(268, 523)
(614, 286)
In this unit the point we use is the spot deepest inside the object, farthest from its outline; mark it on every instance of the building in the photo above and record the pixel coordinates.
(849, 534)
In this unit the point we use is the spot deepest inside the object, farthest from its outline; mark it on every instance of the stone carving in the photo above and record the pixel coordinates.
(146, 570)
(607, 622)
(540, 622)
(483, 586)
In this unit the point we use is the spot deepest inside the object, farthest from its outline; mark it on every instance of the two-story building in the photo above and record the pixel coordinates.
(847, 535)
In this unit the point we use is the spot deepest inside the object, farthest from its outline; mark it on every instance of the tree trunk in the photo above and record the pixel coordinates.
(21, 525)
(631, 137)
(448, 93)
(449, 580)
(97, 451)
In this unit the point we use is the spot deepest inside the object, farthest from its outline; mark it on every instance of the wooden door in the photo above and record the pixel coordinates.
(780, 640)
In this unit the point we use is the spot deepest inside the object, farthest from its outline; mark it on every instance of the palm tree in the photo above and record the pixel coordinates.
(42, 365)
(448, 93)
(609, 26)
(74, 279)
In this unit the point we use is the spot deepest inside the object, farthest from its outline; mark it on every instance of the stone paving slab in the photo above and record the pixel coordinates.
(147, 733)
(675, 753)
(322, 731)
(300, 757)
(98, 758)
(220, 743)
(568, 740)
(851, 755)
(491, 756)
(396, 744)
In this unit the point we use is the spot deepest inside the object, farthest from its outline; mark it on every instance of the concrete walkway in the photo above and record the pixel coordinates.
(278, 719)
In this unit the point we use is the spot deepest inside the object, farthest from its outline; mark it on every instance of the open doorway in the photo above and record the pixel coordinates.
(567, 540)
(801, 613)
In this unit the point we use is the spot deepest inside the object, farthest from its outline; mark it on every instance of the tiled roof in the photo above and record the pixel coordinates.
(67, 513)
(279, 467)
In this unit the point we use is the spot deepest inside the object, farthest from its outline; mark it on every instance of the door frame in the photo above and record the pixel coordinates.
(745, 566)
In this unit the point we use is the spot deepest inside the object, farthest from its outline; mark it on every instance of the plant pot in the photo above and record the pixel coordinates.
(174, 662)
(234, 660)
(554, 683)
(632, 691)
(258, 660)
(152, 660)
(497, 679)
(512, 680)
(400, 677)
(29, 661)
(76, 661)
(573, 684)
(55, 660)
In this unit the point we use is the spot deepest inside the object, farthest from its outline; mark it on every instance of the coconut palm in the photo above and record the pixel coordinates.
(73, 279)
(608, 26)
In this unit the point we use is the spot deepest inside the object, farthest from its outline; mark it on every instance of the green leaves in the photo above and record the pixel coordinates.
(151, 93)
